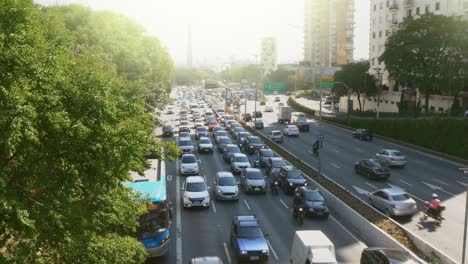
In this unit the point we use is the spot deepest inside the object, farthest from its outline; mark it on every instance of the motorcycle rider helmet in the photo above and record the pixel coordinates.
(434, 195)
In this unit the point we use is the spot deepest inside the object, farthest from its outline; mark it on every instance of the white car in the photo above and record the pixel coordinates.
(196, 192)
(205, 145)
(275, 136)
(291, 130)
(391, 157)
(185, 146)
(239, 162)
(184, 136)
(268, 109)
(188, 164)
(197, 123)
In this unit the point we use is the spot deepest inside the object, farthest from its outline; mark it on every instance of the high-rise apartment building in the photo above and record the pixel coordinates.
(328, 32)
(386, 15)
(268, 57)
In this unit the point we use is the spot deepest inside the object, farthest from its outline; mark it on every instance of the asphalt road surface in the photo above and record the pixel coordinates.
(423, 175)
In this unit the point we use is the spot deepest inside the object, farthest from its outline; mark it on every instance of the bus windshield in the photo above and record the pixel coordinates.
(153, 223)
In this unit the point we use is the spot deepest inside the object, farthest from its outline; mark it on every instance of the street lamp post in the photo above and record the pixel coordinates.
(465, 170)
(379, 85)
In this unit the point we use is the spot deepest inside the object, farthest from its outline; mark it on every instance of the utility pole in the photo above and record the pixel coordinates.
(379, 86)
(465, 170)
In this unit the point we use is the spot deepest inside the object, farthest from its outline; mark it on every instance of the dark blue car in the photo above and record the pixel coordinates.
(248, 240)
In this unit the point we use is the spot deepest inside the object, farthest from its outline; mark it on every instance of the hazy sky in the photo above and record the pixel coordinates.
(225, 30)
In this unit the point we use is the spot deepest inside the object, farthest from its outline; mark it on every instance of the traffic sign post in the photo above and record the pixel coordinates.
(324, 85)
(270, 87)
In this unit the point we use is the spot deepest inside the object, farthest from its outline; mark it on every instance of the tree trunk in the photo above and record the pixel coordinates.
(426, 100)
(359, 101)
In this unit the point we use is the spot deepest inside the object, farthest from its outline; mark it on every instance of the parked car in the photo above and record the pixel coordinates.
(246, 117)
(200, 131)
(291, 130)
(167, 131)
(188, 164)
(268, 109)
(258, 124)
(196, 192)
(391, 157)
(185, 146)
(205, 145)
(239, 161)
(225, 186)
(275, 136)
(274, 165)
(387, 256)
(229, 150)
(372, 169)
(248, 239)
(289, 179)
(263, 156)
(362, 134)
(314, 202)
(253, 180)
(252, 143)
(222, 142)
(393, 202)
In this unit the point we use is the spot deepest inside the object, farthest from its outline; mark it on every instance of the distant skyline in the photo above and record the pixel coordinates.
(222, 30)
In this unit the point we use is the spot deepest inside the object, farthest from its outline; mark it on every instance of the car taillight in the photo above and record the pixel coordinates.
(392, 159)
(394, 206)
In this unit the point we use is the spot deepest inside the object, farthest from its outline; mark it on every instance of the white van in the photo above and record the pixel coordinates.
(312, 247)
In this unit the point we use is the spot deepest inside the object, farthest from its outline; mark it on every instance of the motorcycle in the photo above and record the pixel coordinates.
(274, 187)
(299, 215)
(436, 215)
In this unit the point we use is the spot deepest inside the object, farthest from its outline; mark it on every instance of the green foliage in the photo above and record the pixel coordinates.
(300, 108)
(446, 135)
(71, 128)
(285, 76)
(193, 75)
(427, 52)
(355, 75)
(238, 73)
(456, 108)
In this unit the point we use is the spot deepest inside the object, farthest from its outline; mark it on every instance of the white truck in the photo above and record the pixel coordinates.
(284, 114)
(312, 247)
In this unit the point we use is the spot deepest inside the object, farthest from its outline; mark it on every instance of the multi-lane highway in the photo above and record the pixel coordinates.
(205, 232)
(423, 175)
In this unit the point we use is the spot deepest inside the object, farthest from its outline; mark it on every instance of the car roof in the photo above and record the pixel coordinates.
(289, 167)
(252, 136)
(184, 155)
(393, 191)
(205, 138)
(273, 131)
(239, 155)
(276, 158)
(291, 126)
(252, 169)
(390, 150)
(206, 260)
(195, 179)
(230, 145)
(222, 174)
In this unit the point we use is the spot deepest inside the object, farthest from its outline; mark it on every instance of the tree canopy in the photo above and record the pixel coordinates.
(355, 75)
(428, 53)
(72, 126)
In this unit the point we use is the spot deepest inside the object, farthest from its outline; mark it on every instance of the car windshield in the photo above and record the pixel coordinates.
(233, 149)
(225, 141)
(243, 135)
(278, 163)
(276, 133)
(153, 223)
(196, 187)
(400, 197)
(184, 134)
(227, 181)
(313, 196)
(184, 123)
(242, 159)
(201, 129)
(167, 127)
(221, 134)
(189, 159)
(205, 141)
(374, 164)
(294, 174)
(249, 232)
(396, 154)
(185, 143)
(255, 175)
(267, 153)
(256, 140)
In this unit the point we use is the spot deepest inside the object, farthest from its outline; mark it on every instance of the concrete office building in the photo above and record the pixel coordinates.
(268, 57)
(328, 32)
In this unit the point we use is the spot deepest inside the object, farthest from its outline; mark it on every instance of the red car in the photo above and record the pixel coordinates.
(212, 124)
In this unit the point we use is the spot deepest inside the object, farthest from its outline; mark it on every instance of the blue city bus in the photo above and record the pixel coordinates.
(154, 226)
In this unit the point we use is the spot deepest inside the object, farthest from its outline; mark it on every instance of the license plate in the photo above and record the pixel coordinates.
(257, 189)
(254, 258)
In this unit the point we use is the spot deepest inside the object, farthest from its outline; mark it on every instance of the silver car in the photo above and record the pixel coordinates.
(239, 161)
(225, 186)
(204, 145)
(393, 202)
(188, 164)
(391, 157)
(185, 146)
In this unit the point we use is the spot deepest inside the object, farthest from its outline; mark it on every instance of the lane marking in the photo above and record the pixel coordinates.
(284, 203)
(178, 220)
(272, 250)
(334, 165)
(292, 141)
(227, 253)
(204, 177)
(357, 149)
(406, 183)
(440, 182)
(213, 206)
(435, 187)
(347, 231)
(246, 204)
(417, 198)
(462, 183)
(371, 185)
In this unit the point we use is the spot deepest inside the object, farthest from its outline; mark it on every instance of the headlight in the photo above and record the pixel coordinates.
(305, 184)
(237, 189)
(243, 252)
(265, 251)
(291, 184)
(165, 239)
(186, 197)
(219, 190)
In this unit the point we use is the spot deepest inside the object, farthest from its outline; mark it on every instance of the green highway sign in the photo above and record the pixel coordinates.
(324, 85)
(271, 87)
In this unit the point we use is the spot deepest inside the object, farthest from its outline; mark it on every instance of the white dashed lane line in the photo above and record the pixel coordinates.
(246, 204)
(334, 165)
(281, 200)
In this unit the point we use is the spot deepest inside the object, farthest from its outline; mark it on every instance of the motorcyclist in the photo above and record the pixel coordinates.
(298, 202)
(434, 205)
(315, 147)
(256, 158)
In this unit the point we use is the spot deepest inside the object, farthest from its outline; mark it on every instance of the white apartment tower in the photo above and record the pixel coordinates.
(328, 32)
(268, 57)
(386, 15)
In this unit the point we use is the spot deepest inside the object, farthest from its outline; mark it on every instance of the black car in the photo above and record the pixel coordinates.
(372, 169)
(274, 165)
(168, 131)
(289, 179)
(229, 150)
(246, 117)
(302, 125)
(253, 180)
(386, 256)
(252, 143)
(200, 132)
(241, 136)
(263, 156)
(362, 134)
(257, 114)
(314, 203)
